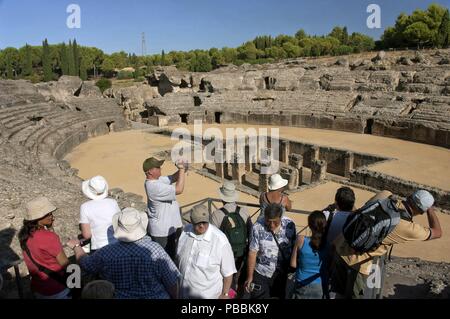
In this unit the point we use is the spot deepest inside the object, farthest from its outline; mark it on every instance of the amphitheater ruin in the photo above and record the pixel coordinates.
(369, 121)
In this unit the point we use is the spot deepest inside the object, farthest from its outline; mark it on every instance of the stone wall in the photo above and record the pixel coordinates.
(397, 185)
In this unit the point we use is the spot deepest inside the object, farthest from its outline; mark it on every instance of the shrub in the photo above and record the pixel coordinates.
(125, 75)
(104, 84)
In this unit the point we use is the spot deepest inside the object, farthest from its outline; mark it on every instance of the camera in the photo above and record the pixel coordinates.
(255, 287)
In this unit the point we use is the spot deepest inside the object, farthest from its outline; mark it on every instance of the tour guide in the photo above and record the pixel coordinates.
(164, 224)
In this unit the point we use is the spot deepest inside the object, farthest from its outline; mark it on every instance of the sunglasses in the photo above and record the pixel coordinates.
(201, 224)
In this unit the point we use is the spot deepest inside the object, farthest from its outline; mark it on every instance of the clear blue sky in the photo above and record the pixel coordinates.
(114, 25)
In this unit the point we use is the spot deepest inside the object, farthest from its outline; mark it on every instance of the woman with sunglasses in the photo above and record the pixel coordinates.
(43, 252)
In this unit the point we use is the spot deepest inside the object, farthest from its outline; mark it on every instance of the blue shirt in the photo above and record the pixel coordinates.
(138, 270)
(269, 257)
(309, 264)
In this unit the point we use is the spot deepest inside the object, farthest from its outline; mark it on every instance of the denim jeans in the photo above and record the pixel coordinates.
(311, 291)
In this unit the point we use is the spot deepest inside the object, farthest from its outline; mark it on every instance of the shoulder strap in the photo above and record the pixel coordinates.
(278, 245)
(327, 228)
(267, 199)
(52, 274)
(281, 201)
(225, 211)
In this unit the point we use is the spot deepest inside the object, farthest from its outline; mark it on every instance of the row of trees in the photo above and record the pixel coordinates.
(422, 28)
(48, 62)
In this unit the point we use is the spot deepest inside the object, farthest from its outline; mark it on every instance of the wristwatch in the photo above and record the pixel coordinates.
(226, 294)
(77, 245)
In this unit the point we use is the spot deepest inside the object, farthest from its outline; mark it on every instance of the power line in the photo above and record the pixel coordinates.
(144, 45)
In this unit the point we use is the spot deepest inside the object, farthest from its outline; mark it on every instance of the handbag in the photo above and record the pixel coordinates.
(286, 261)
(62, 279)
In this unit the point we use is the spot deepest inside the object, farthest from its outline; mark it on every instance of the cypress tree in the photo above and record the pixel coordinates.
(83, 70)
(443, 34)
(71, 59)
(27, 67)
(163, 58)
(46, 62)
(76, 58)
(64, 60)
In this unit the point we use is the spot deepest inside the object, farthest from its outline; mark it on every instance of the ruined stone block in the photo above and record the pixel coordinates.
(318, 171)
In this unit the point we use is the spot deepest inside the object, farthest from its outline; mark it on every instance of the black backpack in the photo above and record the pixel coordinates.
(366, 229)
(237, 234)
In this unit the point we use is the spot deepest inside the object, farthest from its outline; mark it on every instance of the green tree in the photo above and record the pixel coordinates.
(71, 59)
(361, 42)
(341, 34)
(419, 29)
(301, 34)
(443, 35)
(46, 62)
(248, 51)
(282, 39)
(419, 33)
(275, 53)
(229, 54)
(107, 65)
(83, 70)
(120, 59)
(201, 62)
(217, 59)
(291, 49)
(26, 60)
(104, 84)
(11, 62)
(64, 60)
(76, 58)
(9, 68)
(163, 58)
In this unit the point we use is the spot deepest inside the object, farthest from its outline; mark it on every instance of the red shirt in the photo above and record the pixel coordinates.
(44, 246)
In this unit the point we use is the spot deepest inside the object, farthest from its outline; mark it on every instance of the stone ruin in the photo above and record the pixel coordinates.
(383, 96)
(401, 95)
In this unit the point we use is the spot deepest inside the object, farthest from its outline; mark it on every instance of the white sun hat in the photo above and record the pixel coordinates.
(130, 225)
(277, 182)
(95, 188)
(423, 200)
(228, 192)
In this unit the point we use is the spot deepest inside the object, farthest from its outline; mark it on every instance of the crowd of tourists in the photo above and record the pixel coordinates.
(220, 254)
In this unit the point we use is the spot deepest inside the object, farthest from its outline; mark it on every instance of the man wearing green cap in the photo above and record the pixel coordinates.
(164, 224)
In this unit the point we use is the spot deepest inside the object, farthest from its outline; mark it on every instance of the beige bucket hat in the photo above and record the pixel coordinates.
(130, 225)
(38, 208)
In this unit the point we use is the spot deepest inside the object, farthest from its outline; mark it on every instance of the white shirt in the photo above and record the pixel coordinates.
(203, 262)
(163, 209)
(99, 214)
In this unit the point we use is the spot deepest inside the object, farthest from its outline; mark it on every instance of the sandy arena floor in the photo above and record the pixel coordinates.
(421, 163)
(119, 156)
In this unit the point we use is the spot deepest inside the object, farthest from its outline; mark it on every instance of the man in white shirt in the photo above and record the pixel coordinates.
(205, 259)
(97, 214)
(164, 224)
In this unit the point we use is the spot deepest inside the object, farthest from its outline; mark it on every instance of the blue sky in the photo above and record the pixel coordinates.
(114, 25)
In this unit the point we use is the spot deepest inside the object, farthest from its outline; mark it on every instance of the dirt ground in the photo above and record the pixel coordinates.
(119, 156)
